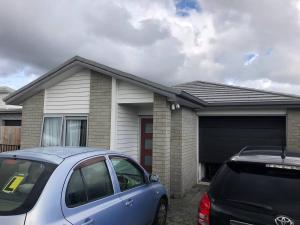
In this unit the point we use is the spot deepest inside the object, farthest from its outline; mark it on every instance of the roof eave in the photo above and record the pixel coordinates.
(20, 95)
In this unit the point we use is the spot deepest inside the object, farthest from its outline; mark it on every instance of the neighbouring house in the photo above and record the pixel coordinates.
(10, 122)
(182, 133)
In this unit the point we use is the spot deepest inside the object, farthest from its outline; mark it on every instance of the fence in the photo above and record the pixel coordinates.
(7, 148)
(10, 138)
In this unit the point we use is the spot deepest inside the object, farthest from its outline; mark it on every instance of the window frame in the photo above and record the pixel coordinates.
(81, 165)
(136, 165)
(68, 117)
(63, 128)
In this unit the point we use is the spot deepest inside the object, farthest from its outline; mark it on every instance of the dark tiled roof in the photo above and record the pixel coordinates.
(221, 94)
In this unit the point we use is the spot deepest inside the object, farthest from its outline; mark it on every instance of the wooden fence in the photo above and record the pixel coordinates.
(10, 138)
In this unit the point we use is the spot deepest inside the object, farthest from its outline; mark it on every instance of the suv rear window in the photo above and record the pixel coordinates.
(272, 188)
(21, 183)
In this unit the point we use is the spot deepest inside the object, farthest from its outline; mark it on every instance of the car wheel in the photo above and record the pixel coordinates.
(161, 214)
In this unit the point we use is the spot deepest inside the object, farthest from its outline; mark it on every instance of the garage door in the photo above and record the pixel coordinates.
(222, 137)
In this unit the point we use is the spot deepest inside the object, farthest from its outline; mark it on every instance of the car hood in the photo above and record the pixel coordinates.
(13, 220)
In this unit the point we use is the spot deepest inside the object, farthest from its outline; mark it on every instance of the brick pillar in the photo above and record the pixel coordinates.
(176, 154)
(32, 119)
(293, 129)
(100, 111)
(161, 139)
(183, 151)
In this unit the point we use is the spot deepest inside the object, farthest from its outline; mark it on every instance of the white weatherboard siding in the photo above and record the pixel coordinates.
(127, 130)
(71, 95)
(130, 93)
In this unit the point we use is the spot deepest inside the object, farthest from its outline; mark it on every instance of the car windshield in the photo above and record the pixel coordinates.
(261, 187)
(21, 182)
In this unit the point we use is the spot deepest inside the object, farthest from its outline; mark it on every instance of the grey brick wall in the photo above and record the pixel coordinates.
(183, 151)
(293, 129)
(189, 149)
(161, 139)
(176, 154)
(100, 111)
(32, 119)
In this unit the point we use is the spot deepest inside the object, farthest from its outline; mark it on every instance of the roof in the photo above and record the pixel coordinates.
(196, 95)
(4, 108)
(4, 89)
(53, 154)
(19, 96)
(216, 94)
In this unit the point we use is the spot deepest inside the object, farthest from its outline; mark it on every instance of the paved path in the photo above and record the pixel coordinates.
(184, 211)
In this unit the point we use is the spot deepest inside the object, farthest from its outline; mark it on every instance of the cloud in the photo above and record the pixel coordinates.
(167, 41)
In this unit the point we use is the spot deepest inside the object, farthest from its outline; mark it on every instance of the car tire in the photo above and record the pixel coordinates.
(161, 213)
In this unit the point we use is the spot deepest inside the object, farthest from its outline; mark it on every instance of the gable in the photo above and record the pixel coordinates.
(71, 95)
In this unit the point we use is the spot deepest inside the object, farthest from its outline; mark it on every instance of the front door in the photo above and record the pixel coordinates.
(146, 143)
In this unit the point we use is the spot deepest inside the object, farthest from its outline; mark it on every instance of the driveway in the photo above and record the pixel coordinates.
(184, 211)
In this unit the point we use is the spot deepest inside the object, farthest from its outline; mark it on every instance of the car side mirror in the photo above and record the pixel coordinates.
(154, 178)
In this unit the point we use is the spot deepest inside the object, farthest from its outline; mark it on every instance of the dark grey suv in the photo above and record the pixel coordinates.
(257, 186)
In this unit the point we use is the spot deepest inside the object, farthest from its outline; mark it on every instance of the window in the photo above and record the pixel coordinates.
(128, 173)
(21, 183)
(89, 182)
(12, 123)
(52, 131)
(238, 183)
(75, 131)
(76, 192)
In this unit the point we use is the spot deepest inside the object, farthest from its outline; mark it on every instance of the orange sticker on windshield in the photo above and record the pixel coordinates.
(13, 184)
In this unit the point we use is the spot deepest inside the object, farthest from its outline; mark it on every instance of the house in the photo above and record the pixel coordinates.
(182, 133)
(10, 121)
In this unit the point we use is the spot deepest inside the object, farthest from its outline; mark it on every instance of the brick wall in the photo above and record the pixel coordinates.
(161, 139)
(32, 119)
(189, 149)
(176, 154)
(100, 111)
(183, 151)
(293, 129)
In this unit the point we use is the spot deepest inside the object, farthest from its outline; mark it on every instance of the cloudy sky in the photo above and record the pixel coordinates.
(252, 43)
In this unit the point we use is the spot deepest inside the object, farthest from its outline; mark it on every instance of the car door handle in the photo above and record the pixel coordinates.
(129, 202)
(88, 222)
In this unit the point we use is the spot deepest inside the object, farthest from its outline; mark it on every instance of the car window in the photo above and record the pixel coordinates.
(76, 194)
(128, 173)
(21, 183)
(97, 180)
(275, 188)
(89, 182)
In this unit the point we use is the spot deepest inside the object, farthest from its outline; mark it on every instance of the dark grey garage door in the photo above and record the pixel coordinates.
(222, 137)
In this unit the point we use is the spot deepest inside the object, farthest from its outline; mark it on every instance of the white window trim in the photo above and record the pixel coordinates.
(64, 118)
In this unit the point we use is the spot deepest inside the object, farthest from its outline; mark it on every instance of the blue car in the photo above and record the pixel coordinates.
(78, 186)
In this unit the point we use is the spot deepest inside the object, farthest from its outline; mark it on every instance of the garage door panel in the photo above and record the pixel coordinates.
(222, 137)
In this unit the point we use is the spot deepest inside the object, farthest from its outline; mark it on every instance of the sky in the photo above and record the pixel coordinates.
(252, 43)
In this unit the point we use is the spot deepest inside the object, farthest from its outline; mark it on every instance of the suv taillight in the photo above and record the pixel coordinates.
(204, 210)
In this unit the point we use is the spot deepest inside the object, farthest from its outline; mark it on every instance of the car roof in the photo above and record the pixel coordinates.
(55, 155)
(291, 157)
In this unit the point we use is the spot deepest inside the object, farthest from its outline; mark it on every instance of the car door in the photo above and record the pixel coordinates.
(138, 195)
(88, 198)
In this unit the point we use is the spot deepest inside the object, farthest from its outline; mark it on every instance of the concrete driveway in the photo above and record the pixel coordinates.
(185, 211)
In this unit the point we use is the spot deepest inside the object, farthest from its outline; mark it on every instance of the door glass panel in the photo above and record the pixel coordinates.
(148, 160)
(129, 176)
(148, 128)
(148, 143)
